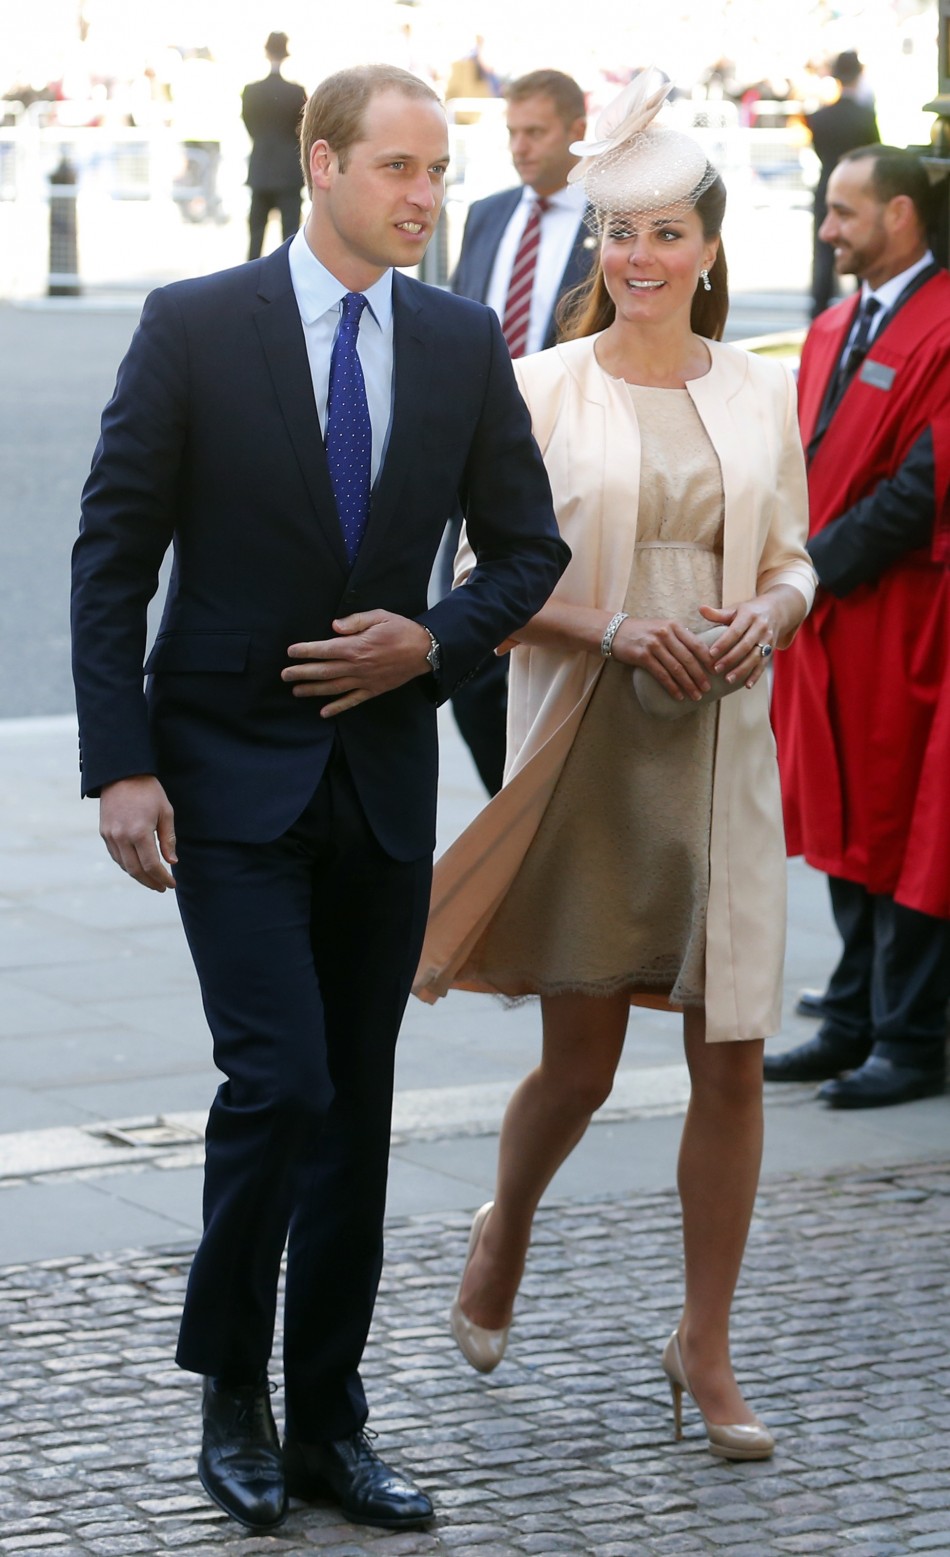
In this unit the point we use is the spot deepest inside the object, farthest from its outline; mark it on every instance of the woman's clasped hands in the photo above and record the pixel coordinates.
(682, 662)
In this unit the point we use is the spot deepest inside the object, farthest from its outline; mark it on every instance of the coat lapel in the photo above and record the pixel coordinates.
(282, 338)
(716, 398)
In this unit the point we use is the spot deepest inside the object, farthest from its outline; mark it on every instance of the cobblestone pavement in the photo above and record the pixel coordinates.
(841, 1333)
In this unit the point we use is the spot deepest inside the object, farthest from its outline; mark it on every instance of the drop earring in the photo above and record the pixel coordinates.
(704, 277)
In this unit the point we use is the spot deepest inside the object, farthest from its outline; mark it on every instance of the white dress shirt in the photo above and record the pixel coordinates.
(886, 294)
(320, 301)
(559, 226)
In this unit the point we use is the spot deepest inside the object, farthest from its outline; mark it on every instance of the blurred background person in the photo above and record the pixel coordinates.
(838, 127)
(545, 113)
(472, 76)
(522, 250)
(271, 111)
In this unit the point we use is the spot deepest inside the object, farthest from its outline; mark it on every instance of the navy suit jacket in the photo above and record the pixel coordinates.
(211, 443)
(484, 225)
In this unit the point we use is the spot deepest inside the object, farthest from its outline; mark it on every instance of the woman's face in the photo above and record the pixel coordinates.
(652, 262)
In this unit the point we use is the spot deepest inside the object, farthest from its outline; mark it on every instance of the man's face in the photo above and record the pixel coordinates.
(382, 208)
(539, 139)
(857, 227)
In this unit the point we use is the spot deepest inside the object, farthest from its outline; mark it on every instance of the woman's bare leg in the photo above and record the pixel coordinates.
(718, 1174)
(547, 1116)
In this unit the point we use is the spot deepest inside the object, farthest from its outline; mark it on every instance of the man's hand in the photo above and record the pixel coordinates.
(133, 812)
(374, 652)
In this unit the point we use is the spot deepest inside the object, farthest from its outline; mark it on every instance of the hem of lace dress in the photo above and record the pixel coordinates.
(521, 989)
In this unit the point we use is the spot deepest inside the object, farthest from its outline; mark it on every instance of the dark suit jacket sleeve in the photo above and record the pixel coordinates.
(505, 497)
(126, 528)
(897, 517)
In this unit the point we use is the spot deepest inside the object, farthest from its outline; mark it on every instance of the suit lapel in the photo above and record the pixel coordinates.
(281, 334)
(576, 270)
(503, 208)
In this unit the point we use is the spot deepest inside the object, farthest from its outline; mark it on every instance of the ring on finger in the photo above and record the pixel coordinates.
(765, 649)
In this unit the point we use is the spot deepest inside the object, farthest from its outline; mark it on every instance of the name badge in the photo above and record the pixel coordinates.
(877, 374)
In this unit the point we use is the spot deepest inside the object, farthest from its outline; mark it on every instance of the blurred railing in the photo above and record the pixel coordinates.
(136, 190)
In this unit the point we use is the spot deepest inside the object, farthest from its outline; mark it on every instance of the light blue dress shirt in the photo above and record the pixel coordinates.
(319, 298)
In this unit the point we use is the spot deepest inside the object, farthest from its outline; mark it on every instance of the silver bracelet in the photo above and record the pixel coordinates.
(610, 633)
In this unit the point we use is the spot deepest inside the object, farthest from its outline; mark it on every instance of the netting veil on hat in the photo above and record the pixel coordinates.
(635, 166)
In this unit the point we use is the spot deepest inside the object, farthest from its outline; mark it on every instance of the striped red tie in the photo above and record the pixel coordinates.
(518, 302)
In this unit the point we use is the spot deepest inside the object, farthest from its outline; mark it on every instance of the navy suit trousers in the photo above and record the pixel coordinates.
(305, 949)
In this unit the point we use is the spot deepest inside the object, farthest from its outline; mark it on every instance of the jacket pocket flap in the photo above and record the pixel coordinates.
(198, 651)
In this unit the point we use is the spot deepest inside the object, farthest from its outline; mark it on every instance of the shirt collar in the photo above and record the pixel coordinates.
(317, 290)
(570, 198)
(889, 291)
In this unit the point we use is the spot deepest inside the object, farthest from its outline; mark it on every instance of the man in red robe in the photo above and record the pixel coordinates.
(862, 699)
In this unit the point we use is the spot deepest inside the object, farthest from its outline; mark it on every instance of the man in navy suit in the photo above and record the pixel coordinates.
(546, 113)
(283, 760)
(271, 111)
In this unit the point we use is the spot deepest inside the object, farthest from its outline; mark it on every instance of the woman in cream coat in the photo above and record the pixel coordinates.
(630, 857)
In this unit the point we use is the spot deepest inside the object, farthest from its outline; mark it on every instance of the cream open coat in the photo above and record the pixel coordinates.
(584, 424)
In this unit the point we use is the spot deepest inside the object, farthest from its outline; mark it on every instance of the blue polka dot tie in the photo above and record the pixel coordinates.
(349, 436)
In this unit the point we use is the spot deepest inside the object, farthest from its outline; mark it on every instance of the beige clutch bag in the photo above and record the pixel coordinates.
(655, 700)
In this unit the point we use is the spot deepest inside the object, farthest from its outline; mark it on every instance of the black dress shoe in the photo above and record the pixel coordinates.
(350, 1473)
(811, 1003)
(819, 1059)
(879, 1083)
(240, 1464)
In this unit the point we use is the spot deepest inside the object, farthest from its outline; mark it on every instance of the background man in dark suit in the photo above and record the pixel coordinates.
(835, 129)
(271, 111)
(546, 112)
(297, 428)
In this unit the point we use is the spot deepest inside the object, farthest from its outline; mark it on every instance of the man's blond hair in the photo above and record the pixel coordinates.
(336, 109)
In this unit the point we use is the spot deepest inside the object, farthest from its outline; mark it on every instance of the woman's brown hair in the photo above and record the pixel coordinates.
(588, 308)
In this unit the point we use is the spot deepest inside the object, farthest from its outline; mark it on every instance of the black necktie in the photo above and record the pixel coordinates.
(858, 350)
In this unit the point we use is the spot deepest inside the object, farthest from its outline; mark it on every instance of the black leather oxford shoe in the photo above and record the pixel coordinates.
(819, 1059)
(240, 1464)
(347, 1471)
(879, 1083)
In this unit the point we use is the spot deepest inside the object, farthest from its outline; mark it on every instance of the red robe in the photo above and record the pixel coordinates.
(862, 697)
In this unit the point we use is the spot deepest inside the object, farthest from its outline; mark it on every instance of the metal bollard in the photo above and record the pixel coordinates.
(63, 248)
(434, 266)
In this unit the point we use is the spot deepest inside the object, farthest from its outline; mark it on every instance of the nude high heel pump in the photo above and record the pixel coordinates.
(484, 1349)
(735, 1441)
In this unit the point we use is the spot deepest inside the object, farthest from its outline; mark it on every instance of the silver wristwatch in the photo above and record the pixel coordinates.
(434, 655)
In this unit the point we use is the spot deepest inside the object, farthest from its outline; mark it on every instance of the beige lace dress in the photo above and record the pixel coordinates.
(612, 891)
